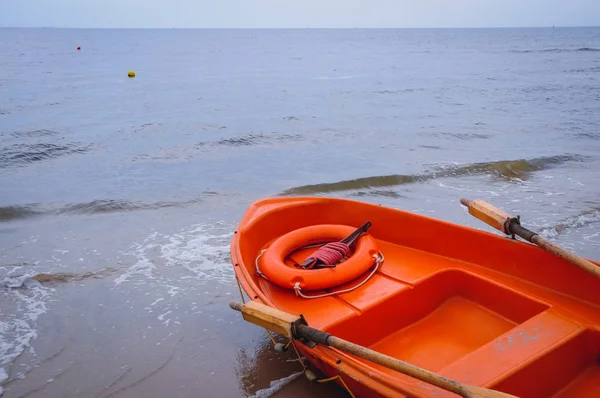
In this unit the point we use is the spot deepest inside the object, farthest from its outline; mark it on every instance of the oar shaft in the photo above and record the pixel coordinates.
(320, 337)
(536, 239)
(565, 255)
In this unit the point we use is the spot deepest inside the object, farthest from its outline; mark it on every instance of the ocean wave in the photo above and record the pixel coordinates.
(99, 206)
(17, 212)
(580, 220)
(505, 169)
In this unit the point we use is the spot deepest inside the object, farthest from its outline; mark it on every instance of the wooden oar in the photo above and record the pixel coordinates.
(510, 225)
(295, 327)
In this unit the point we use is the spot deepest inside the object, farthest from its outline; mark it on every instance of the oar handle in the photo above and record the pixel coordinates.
(508, 224)
(488, 214)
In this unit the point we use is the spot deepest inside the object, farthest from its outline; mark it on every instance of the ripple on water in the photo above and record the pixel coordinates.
(252, 139)
(18, 155)
(559, 50)
(33, 134)
(588, 135)
(248, 140)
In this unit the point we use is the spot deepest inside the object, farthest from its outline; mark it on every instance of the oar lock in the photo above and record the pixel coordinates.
(509, 222)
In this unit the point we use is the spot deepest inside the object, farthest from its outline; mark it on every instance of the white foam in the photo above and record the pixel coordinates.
(157, 301)
(144, 265)
(162, 316)
(166, 263)
(26, 301)
(276, 386)
(3, 378)
(589, 237)
(578, 221)
(14, 269)
(173, 290)
(442, 185)
(198, 251)
(23, 302)
(202, 250)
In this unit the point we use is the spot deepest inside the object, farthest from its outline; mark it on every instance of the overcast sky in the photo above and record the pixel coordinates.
(298, 13)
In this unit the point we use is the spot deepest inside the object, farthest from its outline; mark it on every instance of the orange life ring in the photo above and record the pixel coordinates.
(272, 261)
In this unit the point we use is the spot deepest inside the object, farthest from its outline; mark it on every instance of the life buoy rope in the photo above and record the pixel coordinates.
(330, 254)
(379, 258)
(258, 271)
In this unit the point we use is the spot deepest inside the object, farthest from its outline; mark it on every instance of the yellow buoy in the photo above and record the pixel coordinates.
(131, 73)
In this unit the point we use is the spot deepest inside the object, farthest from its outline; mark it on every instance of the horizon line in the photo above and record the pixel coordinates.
(308, 27)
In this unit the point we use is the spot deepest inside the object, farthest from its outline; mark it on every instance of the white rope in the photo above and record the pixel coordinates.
(258, 271)
(378, 261)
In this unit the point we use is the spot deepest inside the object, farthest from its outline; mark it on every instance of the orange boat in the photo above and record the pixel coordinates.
(472, 306)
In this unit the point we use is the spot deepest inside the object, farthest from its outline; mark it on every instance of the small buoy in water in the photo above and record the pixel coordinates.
(280, 347)
(131, 73)
(78, 48)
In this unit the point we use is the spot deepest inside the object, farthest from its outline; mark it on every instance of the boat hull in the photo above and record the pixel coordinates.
(479, 308)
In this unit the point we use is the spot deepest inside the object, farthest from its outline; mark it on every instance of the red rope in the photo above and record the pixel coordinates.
(331, 254)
